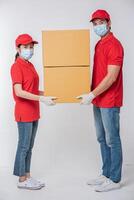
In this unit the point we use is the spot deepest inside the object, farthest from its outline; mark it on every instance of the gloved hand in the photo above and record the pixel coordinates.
(86, 98)
(47, 100)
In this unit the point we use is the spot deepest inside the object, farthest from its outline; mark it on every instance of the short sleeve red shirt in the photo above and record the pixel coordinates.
(24, 73)
(108, 51)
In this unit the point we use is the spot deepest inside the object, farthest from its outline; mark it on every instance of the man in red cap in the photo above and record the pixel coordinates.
(107, 96)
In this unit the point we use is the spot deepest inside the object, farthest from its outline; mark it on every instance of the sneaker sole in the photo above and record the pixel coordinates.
(42, 186)
(28, 188)
(108, 190)
(95, 184)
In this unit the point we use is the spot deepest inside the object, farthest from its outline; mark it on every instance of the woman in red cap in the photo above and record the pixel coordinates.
(26, 94)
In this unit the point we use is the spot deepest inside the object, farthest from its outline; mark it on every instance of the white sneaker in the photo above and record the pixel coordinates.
(98, 181)
(36, 181)
(107, 186)
(29, 185)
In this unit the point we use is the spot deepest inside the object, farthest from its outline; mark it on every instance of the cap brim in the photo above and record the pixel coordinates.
(29, 42)
(24, 41)
(35, 42)
(103, 18)
(94, 19)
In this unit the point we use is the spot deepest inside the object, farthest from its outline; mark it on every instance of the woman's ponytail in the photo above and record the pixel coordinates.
(16, 56)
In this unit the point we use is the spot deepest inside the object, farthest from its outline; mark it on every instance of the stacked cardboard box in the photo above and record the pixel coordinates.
(66, 64)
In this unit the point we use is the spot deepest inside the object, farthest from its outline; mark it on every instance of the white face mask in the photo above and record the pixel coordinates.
(27, 53)
(101, 29)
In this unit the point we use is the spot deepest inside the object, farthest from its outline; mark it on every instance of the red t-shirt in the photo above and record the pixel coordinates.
(24, 73)
(108, 51)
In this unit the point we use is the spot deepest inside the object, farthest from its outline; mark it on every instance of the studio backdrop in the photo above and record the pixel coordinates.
(66, 138)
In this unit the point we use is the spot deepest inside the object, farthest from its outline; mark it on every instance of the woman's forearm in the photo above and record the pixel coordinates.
(27, 95)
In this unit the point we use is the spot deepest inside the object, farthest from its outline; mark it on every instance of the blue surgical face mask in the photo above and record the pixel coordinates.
(26, 53)
(101, 29)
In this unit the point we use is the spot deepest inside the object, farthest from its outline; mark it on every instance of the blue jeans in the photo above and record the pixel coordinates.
(27, 132)
(107, 122)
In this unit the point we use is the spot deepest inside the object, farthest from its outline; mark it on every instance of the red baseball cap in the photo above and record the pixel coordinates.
(24, 39)
(100, 14)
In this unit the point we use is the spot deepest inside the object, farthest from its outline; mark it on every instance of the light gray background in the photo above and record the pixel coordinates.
(66, 142)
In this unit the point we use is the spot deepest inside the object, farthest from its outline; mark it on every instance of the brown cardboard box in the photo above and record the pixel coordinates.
(66, 48)
(66, 64)
(66, 83)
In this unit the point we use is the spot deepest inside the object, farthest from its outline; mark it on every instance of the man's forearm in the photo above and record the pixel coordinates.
(105, 84)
